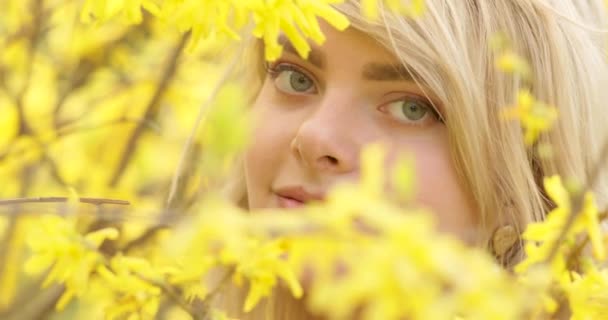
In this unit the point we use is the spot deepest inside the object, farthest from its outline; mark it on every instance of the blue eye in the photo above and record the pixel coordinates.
(412, 111)
(289, 79)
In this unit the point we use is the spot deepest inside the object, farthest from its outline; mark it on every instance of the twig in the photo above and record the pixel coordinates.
(142, 238)
(53, 168)
(36, 306)
(173, 295)
(578, 200)
(576, 252)
(186, 150)
(8, 242)
(203, 307)
(87, 65)
(151, 108)
(5, 251)
(220, 285)
(95, 201)
(202, 113)
(65, 131)
(33, 44)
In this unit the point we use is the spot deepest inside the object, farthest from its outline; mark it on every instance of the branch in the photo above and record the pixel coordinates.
(577, 251)
(202, 307)
(95, 201)
(36, 306)
(207, 301)
(66, 131)
(33, 45)
(8, 242)
(578, 200)
(149, 233)
(151, 108)
(173, 295)
(186, 150)
(202, 113)
(86, 66)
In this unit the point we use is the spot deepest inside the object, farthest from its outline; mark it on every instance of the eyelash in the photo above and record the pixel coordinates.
(274, 70)
(420, 101)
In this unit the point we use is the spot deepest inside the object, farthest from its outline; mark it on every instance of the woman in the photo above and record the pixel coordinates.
(429, 87)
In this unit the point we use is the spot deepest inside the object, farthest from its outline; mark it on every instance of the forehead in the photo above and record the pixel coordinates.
(354, 51)
(351, 43)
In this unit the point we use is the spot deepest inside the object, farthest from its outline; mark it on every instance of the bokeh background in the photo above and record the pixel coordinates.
(95, 110)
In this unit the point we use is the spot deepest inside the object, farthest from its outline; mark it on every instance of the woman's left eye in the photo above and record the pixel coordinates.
(412, 111)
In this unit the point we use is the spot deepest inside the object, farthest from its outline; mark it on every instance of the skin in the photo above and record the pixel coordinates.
(314, 117)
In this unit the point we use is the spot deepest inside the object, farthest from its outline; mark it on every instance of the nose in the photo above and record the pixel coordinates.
(326, 141)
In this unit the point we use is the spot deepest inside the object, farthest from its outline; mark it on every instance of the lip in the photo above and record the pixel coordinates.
(296, 196)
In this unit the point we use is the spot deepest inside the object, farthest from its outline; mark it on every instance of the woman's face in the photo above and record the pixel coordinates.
(314, 117)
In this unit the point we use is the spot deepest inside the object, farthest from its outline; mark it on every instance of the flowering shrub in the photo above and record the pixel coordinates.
(77, 77)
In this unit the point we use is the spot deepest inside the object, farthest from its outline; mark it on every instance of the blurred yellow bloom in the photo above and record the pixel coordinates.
(262, 264)
(411, 8)
(510, 62)
(535, 117)
(372, 174)
(589, 222)
(9, 278)
(588, 294)
(297, 19)
(225, 131)
(367, 254)
(219, 315)
(55, 243)
(226, 237)
(103, 10)
(134, 283)
(541, 236)
(403, 177)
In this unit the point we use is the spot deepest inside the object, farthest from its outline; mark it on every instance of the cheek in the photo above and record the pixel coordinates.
(439, 189)
(263, 158)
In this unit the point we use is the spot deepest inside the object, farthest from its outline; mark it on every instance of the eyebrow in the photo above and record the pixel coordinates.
(387, 72)
(374, 71)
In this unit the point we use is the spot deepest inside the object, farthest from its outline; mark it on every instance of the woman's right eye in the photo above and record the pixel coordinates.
(289, 79)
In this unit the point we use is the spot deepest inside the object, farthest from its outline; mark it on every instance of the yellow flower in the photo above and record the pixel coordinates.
(102, 10)
(134, 296)
(541, 236)
(219, 315)
(510, 62)
(588, 294)
(72, 257)
(589, 220)
(263, 264)
(297, 19)
(209, 19)
(227, 237)
(535, 117)
(404, 177)
(412, 8)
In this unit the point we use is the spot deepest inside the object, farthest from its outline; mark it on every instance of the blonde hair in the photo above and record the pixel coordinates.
(448, 50)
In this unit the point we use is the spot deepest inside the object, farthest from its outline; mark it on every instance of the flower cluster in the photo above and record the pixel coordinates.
(71, 257)
(356, 254)
(557, 241)
(535, 116)
(224, 19)
(393, 262)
